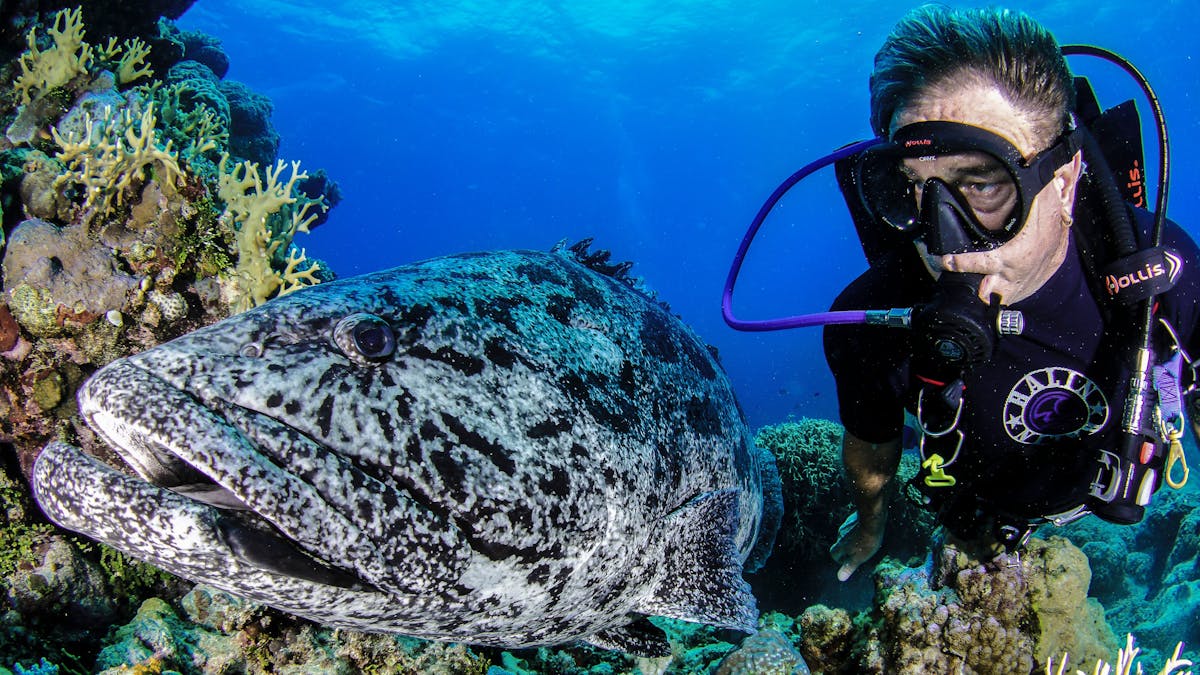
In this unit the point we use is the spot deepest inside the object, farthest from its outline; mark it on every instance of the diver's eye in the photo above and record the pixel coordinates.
(364, 336)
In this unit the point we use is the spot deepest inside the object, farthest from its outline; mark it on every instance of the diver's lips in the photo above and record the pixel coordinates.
(177, 444)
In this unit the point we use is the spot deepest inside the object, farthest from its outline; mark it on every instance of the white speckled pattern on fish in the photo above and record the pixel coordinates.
(503, 448)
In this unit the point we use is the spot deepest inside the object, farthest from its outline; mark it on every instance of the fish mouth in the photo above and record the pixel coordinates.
(220, 456)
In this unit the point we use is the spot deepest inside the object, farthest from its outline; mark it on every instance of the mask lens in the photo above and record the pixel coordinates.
(891, 184)
(887, 192)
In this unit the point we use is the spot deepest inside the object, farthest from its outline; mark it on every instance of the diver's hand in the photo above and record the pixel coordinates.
(858, 540)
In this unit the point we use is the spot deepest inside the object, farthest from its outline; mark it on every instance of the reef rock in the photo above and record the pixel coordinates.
(62, 590)
(767, 652)
(56, 278)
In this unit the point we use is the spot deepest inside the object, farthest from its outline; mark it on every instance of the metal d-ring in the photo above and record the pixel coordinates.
(957, 447)
(921, 422)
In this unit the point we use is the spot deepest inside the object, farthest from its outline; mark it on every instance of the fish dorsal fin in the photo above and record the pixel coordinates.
(638, 637)
(704, 583)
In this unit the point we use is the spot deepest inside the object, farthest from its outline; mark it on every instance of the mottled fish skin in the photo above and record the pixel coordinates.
(543, 455)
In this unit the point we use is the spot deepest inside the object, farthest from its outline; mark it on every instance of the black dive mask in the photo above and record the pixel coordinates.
(957, 187)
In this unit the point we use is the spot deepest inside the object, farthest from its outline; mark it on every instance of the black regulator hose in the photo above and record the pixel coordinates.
(1136, 476)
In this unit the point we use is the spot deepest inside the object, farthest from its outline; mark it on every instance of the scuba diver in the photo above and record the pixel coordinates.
(1043, 367)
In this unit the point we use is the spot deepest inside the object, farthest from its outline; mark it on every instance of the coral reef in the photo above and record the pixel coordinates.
(808, 454)
(800, 571)
(114, 237)
(209, 631)
(143, 197)
(130, 231)
(1148, 577)
(956, 614)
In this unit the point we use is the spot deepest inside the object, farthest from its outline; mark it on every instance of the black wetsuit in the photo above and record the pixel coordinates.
(1037, 413)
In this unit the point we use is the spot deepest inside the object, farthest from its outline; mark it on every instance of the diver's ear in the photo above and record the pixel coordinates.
(1067, 179)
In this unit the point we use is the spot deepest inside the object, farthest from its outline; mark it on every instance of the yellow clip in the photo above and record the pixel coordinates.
(937, 475)
(1175, 457)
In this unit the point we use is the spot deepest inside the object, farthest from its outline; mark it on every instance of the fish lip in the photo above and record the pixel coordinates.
(198, 449)
(118, 400)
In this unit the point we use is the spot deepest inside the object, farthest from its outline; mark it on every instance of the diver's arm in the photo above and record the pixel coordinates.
(870, 468)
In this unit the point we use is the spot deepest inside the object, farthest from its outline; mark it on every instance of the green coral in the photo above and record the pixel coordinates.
(816, 501)
(130, 579)
(193, 126)
(205, 246)
(19, 536)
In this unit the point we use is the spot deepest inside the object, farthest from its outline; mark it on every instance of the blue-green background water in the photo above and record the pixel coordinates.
(657, 127)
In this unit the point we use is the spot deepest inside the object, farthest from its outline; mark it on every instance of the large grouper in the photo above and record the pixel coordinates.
(510, 448)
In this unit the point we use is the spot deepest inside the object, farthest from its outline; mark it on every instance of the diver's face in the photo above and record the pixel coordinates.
(979, 177)
(1022, 265)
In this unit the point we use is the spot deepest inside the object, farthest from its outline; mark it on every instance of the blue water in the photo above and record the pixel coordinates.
(657, 127)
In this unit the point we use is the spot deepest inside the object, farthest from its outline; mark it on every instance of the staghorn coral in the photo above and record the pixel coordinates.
(266, 217)
(70, 57)
(115, 157)
(128, 59)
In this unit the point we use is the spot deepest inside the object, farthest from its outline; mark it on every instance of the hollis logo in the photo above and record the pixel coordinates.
(1116, 284)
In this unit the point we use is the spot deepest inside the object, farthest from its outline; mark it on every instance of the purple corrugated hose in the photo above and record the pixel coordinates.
(802, 320)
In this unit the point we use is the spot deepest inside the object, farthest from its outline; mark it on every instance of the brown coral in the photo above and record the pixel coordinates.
(1004, 616)
(10, 332)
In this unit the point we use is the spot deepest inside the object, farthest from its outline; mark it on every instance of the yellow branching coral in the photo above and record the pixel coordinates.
(266, 217)
(70, 57)
(130, 59)
(197, 129)
(114, 156)
(42, 70)
(1126, 663)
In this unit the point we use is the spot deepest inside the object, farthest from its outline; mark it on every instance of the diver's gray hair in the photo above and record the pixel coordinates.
(935, 45)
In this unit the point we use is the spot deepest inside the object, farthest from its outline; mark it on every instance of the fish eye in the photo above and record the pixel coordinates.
(364, 336)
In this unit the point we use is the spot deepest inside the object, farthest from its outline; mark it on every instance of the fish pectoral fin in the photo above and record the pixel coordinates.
(706, 584)
(638, 637)
(273, 553)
